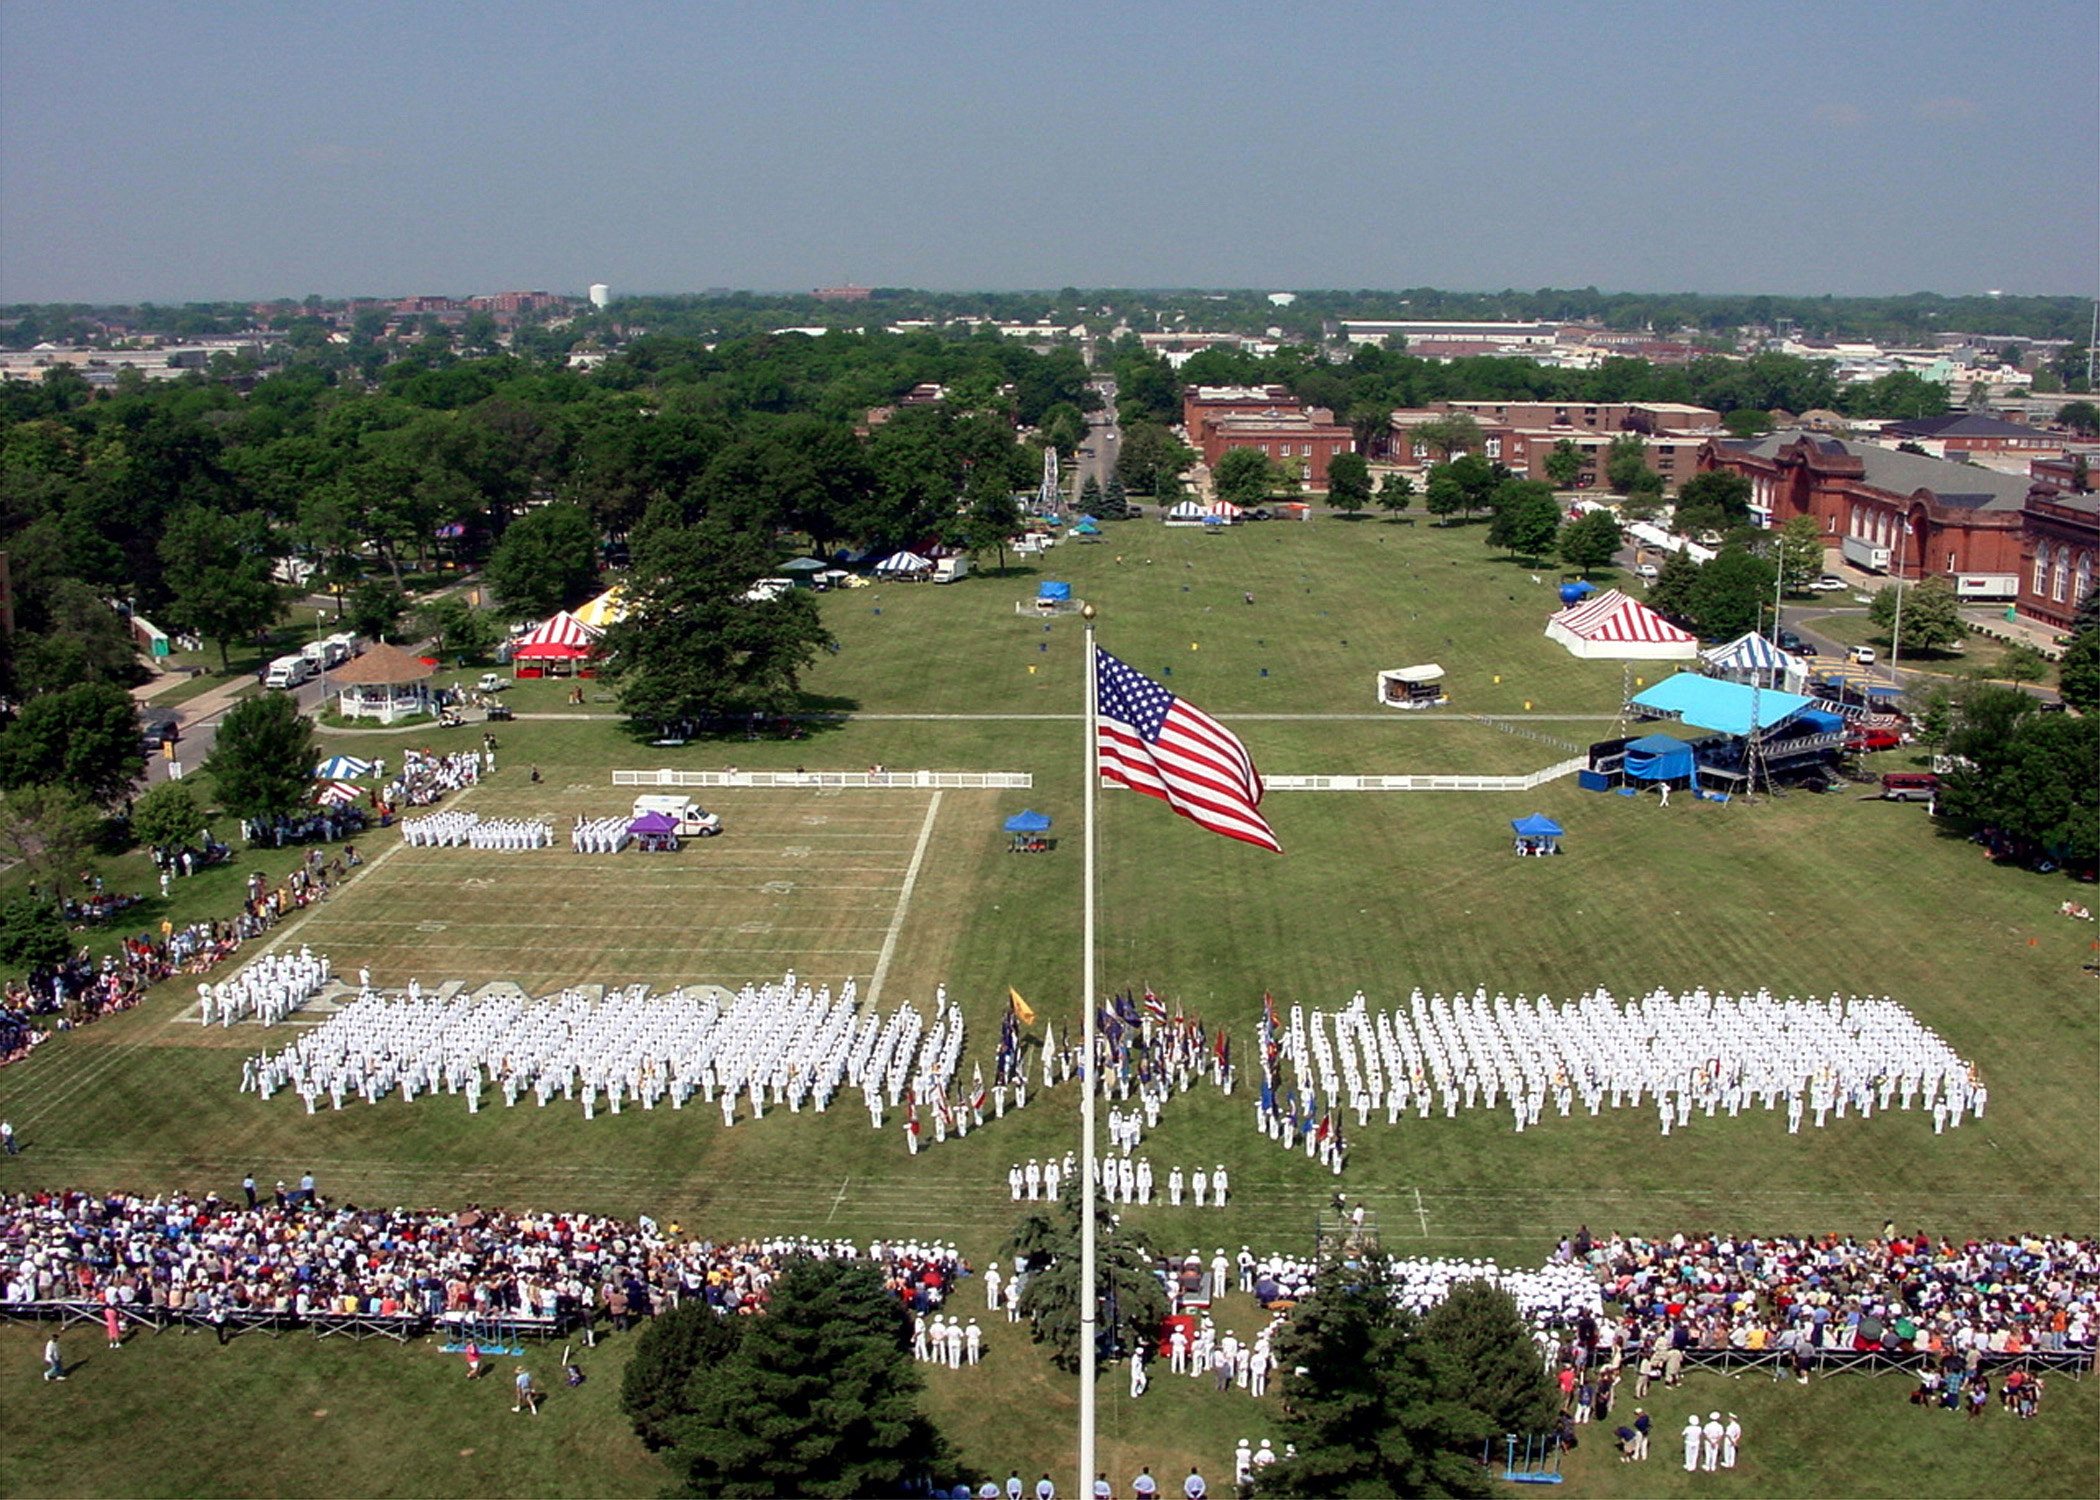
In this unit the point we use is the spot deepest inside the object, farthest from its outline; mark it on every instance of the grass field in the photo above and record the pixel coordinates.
(1383, 892)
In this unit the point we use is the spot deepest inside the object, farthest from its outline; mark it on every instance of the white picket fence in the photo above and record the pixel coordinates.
(1426, 783)
(912, 781)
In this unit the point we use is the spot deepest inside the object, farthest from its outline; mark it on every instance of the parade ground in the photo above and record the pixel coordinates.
(902, 889)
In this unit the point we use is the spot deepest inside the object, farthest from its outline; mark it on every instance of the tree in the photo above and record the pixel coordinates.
(219, 578)
(1454, 433)
(50, 830)
(167, 816)
(456, 627)
(85, 738)
(2082, 417)
(1244, 476)
(1132, 1303)
(2078, 672)
(1116, 500)
(676, 1346)
(1526, 517)
(32, 934)
(2034, 781)
(1670, 591)
(694, 644)
(1395, 493)
(1800, 554)
(1371, 426)
(263, 759)
(2021, 662)
(1090, 498)
(548, 558)
(375, 608)
(1151, 456)
(1364, 1404)
(1590, 541)
(1625, 461)
(1931, 614)
(1713, 500)
(1349, 483)
(1445, 496)
(1479, 1332)
(994, 516)
(819, 1397)
(1732, 594)
(1564, 464)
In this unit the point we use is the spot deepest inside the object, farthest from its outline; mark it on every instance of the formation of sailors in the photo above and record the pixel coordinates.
(599, 835)
(269, 989)
(1678, 1052)
(453, 830)
(769, 1045)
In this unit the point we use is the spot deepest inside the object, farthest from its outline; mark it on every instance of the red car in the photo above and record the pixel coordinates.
(1861, 740)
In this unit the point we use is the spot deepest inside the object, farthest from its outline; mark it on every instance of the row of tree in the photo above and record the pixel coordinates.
(819, 1395)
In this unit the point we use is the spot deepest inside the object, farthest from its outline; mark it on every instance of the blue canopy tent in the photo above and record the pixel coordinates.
(1660, 757)
(1536, 834)
(1053, 590)
(1575, 593)
(1028, 829)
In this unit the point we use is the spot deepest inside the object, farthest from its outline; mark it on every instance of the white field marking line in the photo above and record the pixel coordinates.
(1421, 1213)
(911, 879)
(839, 1198)
(113, 1056)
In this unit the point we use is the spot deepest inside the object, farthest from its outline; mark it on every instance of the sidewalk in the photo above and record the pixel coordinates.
(203, 708)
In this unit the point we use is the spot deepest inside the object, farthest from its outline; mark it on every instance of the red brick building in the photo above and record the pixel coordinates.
(1973, 432)
(1937, 518)
(2062, 543)
(1266, 419)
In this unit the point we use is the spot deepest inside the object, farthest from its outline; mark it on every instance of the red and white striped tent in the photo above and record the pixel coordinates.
(1613, 627)
(561, 638)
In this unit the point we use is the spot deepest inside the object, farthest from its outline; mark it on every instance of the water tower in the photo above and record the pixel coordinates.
(601, 295)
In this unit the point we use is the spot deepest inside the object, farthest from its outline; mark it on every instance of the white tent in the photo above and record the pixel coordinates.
(1187, 513)
(1612, 627)
(903, 565)
(1752, 658)
(1224, 510)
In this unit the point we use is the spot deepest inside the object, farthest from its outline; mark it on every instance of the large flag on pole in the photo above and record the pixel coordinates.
(1158, 744)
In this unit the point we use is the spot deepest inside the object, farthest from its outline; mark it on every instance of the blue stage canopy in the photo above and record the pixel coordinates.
(1725, 707)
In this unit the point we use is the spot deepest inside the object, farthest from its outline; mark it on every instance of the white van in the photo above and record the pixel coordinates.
(948, 569)
(290, 671)
(684, 811)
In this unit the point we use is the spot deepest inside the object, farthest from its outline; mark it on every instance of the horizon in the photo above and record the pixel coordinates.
(249, 152)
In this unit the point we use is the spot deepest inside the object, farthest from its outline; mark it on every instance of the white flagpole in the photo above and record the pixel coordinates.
(1089, 1304)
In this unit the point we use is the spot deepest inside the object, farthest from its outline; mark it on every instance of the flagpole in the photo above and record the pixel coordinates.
(1089, 1332)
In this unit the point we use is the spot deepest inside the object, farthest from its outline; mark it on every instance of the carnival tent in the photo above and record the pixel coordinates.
(560, 638)
(1187, 513)
(903, 565)
(609, 608)
(1613, 627)
(342, 768)
(1752, 657)
(1224, 510)
(337, 792)
(1028, 822)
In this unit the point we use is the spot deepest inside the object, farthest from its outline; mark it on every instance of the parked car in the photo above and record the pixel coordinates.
(1788, 641)
(492, 682)
(1645, 570)
(1864, 740)
(1863, 655)
(158, 729)
(1829, 583)
(1910, 786)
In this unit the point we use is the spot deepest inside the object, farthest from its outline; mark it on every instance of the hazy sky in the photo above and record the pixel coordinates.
(202, 150)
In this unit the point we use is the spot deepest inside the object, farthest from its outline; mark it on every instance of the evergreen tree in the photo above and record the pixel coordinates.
(1731, 594)
(1590, 541)
(1365, 1403)
(1116, 500)
(819, 1397)
(1132, 1301)
(2078, 672)
(1395, 493)
(1090, 497)
(676, 1346)
(1482, 1336)
(1670, 591)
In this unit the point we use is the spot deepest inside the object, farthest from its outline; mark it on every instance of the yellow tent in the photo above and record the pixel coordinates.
(607, 609)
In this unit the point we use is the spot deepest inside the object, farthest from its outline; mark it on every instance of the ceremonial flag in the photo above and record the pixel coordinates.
(977, 1081)
(1021, 1007)
(1158, 744)
(1155, 1007)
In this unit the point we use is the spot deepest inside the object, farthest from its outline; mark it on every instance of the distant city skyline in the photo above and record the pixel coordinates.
(166, 152)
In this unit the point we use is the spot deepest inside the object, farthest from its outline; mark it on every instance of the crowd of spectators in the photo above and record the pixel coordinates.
(59, 997)
(292, 1256)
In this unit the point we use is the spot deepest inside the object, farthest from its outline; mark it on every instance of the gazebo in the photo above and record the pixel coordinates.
(386, 683)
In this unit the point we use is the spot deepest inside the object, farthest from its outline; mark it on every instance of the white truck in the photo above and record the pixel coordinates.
(290, 671)
(693, 823)
(1862, 553)
(948, 569)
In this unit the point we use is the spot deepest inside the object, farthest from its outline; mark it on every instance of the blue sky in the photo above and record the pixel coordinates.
(201, 150)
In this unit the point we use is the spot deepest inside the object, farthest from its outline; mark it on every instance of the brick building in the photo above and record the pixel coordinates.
(1268, 420)
(1973, 432)
(2060, 545)
(1938, 518)
(1521, 434)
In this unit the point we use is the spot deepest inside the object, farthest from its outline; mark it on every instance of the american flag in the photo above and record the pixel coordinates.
(1158, 744)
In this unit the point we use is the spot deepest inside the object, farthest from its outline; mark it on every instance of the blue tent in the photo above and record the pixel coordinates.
(1028, 822)
(1726, 707)
(1537, 826)
(1658, 757)
(1575, 593)
(1052, 590)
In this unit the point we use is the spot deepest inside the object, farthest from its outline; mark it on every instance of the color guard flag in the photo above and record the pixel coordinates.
(1020, 1006)
(1158, 744)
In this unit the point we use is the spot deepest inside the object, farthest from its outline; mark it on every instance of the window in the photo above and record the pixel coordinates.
(2041, 570)
(2082, 579)
(1494, 447)
(2060, 575)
